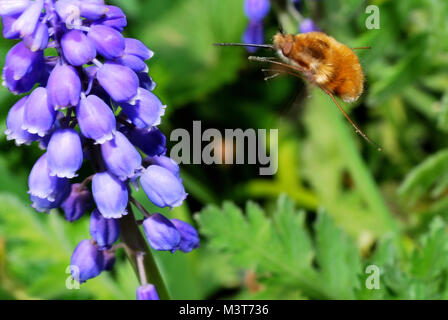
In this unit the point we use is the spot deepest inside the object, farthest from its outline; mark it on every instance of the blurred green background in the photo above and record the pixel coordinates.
(335, 206)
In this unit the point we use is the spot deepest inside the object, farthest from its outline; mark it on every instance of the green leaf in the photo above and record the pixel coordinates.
(292, 234)
(418, 274)
(442, 120)
(279, 248)
(183, 42)
(432, 258)
(337, 257)
(429, 176)
(395, 78)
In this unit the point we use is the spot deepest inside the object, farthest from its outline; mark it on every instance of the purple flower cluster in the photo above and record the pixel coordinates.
(89, 97)
(256, 11)
(307, 24)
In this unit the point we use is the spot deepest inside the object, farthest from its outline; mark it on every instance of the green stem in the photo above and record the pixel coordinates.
(345, 137)
(286, 20)
(135, 244)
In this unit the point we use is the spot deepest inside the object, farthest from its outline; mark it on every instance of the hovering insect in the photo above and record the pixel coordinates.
(319, 59)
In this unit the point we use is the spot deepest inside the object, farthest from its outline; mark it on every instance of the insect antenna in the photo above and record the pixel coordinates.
(280, 29)
(357, 129)
(265, 46)
(274, 61)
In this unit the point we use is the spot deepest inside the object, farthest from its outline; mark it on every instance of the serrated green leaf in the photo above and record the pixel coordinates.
(419, 274)
(292, 234)
(432, 258)
(338, 259)
(280, 246)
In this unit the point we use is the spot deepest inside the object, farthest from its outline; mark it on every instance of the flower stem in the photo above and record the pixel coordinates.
(141, 268)
(140, 207)
(136, 246)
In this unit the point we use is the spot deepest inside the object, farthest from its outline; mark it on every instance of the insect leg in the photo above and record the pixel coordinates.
(267, 78)
(357, 129)
(281, 70)
(270, 60)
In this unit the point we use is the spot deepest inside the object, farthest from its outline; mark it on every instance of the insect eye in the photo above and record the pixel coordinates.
(287, 48)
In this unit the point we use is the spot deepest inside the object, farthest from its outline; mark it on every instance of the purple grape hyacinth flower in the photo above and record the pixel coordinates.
(119, 81)
(110, 195)
(41, 183)
(152, 143)
(134, 63)
(189, 237)
(92, 9)
(27, 22)
(64, 87)
(256, 11)
(90, 99)
(146, 81)
(162, 187)
(7, 31)
(137, 48)
(39, 116)
(14, 123)
(165, 162)
(253, 34)
(96, 119)
(114, 18)
(308, 25)
(65, 154)
(147, 292)
(38, 40)
(13, 7)
(161, 233)
(134, 56)
(45, 205)
(108, 42)
(77, 203)
(87, 261)
(104, 231)
(22, 68)
(147, 112)
(121, 158)
(78, 48)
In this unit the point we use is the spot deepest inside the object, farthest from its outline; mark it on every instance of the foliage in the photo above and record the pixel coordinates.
(40, 249)
(291, 259)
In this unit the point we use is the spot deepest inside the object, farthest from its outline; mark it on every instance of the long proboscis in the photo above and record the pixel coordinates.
(264, 46)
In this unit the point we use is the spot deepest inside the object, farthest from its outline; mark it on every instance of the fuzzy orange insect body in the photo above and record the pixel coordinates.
(323, 61)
